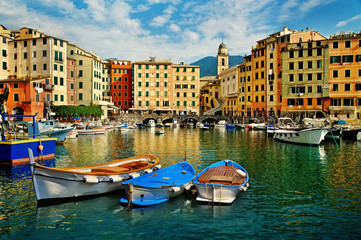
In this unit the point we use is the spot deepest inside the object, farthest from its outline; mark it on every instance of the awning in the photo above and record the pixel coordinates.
(112, 106)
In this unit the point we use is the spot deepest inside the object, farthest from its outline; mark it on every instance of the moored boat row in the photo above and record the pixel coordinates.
(142, 179)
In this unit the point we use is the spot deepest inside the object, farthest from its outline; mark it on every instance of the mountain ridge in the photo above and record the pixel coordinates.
(208, 65)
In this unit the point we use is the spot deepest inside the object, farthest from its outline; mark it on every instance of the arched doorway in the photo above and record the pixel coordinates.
(18, 111)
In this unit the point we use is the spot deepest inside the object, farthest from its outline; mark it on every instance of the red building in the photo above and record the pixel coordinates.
(121, 83)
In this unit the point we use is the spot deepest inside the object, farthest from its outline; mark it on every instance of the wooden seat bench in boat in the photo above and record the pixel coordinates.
(121, 168)
(108, 170)
(222, 175)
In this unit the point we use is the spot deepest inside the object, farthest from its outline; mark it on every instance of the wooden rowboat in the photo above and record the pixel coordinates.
(221, 182)
(66, 183)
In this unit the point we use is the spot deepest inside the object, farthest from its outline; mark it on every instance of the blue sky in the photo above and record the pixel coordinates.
(175, 29)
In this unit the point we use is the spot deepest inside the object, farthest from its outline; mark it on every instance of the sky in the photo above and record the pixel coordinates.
(174, 29)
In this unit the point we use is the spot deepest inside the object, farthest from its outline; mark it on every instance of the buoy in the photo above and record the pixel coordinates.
(241, 173)
(41, 147)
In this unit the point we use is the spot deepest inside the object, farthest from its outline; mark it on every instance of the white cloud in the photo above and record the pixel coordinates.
(345, 22)
(160, 20)
(96, 9)
(174, 27)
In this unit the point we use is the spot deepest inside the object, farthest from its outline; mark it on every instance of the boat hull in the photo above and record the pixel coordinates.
(15, 152)
(57, 184)
(91, 131)
(143, 196)
(217, 193)
(350, 134)
(151, 189)
(313, 136)
(60, 134)
(228, 185)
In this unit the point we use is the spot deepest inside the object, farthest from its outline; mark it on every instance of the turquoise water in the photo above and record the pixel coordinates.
(297, 192)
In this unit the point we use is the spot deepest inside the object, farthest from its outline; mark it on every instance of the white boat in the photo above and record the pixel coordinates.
(221, 182)
(64, 183)
(151, 123)
(221, 124)
(310, 136)
(72, 134)
(91, 131)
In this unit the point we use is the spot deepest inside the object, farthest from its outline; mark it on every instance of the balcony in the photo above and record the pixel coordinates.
(48, 87)
(342, 108)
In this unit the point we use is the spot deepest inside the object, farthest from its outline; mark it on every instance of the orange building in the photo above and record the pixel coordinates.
(345, 76)
(121, 83)
(26, 97)
(259, 105)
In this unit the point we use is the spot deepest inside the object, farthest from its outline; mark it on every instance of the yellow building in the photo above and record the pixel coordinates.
(5, 37)
(186, 92)
(153, 85)
(161, 86)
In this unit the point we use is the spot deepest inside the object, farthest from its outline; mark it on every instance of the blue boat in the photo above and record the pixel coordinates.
(13, 149)
(155, 188)
(45, 128)
(221, 182)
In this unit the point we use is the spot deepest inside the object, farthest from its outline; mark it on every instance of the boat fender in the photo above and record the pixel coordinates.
(134, 175)
(241, 173)
(174, 189)
(115, 179)
(90, 180)
(144, 172)
(188, 186)
(155, 169)
(41, 147)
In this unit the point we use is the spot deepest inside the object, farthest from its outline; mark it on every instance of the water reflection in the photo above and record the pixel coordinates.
(296, 191)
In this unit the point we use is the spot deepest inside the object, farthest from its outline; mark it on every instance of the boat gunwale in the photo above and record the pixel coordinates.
(222, 163)
(74, 170)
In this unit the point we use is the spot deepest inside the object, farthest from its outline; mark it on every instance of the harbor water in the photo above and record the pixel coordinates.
(296, 191)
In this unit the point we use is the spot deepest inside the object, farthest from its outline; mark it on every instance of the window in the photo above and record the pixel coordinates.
(139, 84)
(335, 45)
(157, 74)
(291, 54)
(5, 66)
(291, 66)
(25, 55)
(300, 53)
(309, 101)
(335, 87)
(300, 77)
(80, 96)
(309, 52)
(15, 56)
(71, 85)
(139, 66)
(291, 78)
(4, 53)
(44, 66)
(25, 43)
(358, 58)
(309, 89)
(335, 73)
(347, 73)
(56, 97)
(139, 75)
(347, 44)
(319, 76)
(80, 85)
(80, 62)
(309, 64)
(348, 102)
(61, 98)
(309, 76)
(319, 64)
(358, 86)
(16, 97)
(319, 89)
(335, 59)
(147, 75)
(139, 93)
(347, 58)
(347, 87)
(300, 65)
(290, 102)
(34, 67)
(147, 84)
(319, 101)
(319, 51)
